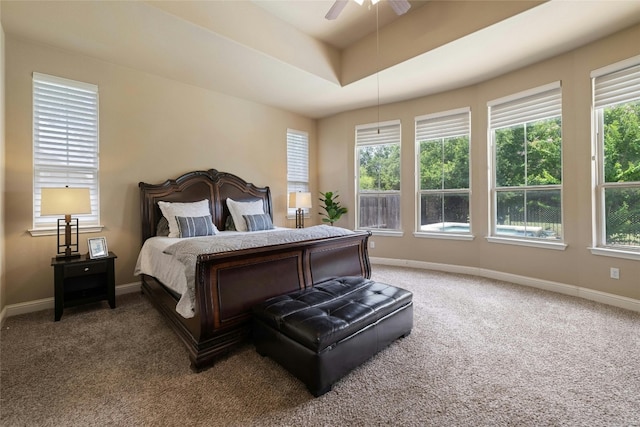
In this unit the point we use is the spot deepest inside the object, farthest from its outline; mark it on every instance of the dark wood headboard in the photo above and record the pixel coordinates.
(195, 186)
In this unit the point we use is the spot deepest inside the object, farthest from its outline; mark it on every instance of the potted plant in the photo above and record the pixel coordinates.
(333, 210)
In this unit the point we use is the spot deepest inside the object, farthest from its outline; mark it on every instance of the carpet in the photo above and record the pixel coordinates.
(482, 353)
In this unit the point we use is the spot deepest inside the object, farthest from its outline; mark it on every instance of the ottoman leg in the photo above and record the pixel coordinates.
(320, 392)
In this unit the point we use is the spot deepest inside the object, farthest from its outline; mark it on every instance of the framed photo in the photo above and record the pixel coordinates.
(98, 247)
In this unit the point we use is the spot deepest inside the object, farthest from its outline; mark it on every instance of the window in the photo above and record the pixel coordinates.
(616, 108)
(297, 164)
(442, 144)
(378, 176)
(526, 138)
(65, 144)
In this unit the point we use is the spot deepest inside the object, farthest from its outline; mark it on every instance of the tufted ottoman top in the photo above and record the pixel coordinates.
(330, 311)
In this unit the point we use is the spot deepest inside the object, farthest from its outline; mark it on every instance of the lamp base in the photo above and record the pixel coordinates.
(68, 227)
(299, 218)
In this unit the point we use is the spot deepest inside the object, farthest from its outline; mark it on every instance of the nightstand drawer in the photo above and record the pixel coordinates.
(85, 269)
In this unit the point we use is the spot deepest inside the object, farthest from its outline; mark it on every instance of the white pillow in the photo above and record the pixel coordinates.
(171, 210)
(238, 209)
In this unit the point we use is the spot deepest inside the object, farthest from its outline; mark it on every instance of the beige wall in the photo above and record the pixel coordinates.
(151, 129)
(2, 179)
(573, 266)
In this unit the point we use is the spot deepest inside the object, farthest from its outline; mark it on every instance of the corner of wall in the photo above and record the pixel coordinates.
(2, 178)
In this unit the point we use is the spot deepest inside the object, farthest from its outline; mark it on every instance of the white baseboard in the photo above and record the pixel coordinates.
(590, 294)
(48, 303)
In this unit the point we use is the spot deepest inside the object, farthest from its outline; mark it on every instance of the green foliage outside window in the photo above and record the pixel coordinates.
(622, 165)
(444, 164)
(379, 186)
(622, 143)
(379, 167)
(529, 156)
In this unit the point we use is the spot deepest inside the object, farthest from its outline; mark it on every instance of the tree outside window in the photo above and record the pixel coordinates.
(443, 146)
(527, 139)
(616, 106)
(378, 181)
(621, 186)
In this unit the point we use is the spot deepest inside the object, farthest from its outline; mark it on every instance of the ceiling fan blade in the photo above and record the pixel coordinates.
(400, 7)
(336, 9)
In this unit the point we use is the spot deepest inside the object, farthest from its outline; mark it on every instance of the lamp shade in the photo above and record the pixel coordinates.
(65, 201)
(299, 199)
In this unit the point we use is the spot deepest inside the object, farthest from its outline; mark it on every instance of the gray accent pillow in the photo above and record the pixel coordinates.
(258, 222)
(162, 229)
(194, 226)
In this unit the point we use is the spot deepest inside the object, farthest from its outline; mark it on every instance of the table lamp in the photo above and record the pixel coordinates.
(300, 200)
(66, 201)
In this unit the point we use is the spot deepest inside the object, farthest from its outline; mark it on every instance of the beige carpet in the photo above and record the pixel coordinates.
(482, 353)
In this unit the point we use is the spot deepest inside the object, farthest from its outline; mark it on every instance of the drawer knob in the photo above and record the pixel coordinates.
(86, 269)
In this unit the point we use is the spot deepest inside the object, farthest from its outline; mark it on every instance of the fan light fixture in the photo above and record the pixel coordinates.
(400, 7)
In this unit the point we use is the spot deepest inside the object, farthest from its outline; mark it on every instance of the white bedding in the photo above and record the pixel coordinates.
(177, 272)
(153, 261)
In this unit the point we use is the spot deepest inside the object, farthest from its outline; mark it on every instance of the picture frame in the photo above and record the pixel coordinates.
(98, 247)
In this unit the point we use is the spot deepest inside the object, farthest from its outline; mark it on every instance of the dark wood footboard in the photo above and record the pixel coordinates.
(229, 284)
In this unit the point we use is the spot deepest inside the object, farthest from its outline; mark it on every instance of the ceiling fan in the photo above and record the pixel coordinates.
(400, 7)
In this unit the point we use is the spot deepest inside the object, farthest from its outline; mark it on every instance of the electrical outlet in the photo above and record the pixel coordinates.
(372, 244)
(614, 273)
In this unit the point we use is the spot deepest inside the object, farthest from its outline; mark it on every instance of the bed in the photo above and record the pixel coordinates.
(226, 283)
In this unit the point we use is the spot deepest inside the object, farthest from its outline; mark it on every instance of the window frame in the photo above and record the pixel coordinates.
(297, 169)
(606, 95)
(530, 106)
(394, 136)
(436, 128)
(84, 97)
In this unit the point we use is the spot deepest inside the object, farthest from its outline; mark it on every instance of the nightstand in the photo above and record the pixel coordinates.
(83, 280)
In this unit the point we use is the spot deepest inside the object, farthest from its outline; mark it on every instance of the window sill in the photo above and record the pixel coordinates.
(53, 231)
(531, 243)
(615, 253)
(390, 233)
(446, 236)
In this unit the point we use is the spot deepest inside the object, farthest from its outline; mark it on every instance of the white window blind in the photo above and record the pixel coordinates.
(297, 163)
(539, 104)
(379, 133)
(436, 126)
(65, 142)
(619, 87)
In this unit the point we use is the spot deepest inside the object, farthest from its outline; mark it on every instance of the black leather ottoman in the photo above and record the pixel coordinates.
(320, 334)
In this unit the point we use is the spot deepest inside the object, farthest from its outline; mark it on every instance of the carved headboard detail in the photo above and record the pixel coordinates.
(195, 186)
